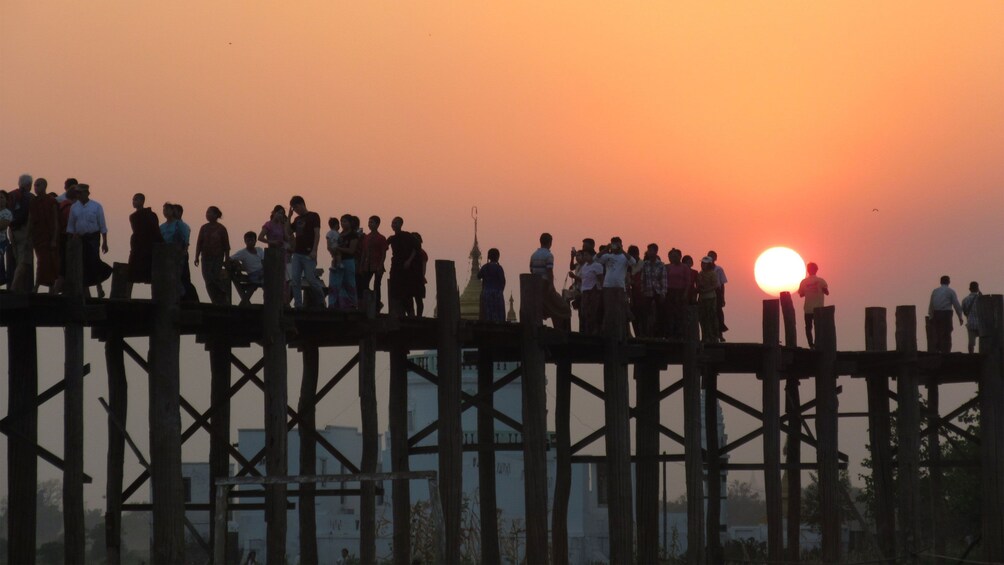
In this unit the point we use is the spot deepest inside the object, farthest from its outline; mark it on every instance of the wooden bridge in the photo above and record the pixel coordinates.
(275, 331)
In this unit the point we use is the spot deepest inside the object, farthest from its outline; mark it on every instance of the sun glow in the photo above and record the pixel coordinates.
(779, 269)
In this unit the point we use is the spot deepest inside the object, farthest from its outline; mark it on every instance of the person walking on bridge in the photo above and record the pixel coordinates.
(812, 288)
(943, 300)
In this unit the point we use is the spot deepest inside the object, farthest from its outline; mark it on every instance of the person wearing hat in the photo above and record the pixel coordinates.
(707, 301)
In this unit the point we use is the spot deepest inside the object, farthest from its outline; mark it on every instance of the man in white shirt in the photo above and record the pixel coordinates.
(812, 288)
(590, 279)
(554, 306)
(87, 222)
(720, 292)
(616, 263)
(250, 259)
(943, 300)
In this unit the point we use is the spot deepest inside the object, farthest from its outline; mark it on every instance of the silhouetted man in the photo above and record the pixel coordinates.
(554, 307)
(145, 232)
(970, 307)
(813, 289)
(943, 300)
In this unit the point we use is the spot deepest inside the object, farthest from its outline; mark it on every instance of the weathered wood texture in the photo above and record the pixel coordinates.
(788, 315)
(118, 400)
(308, 454)
(646, 375)
(449, 434)
(908, 433)
(879, 436)
(276, 400)
(935, 472)
(219, 440)
(371, 445)
(397, 407)
(713, 465)
(74, 535)
(618, 437)
(534, 418)
(992, 425)
(22, 435)
(167, 488)
(771, 379)
(693, 458)
(826, 433)
(486, 461)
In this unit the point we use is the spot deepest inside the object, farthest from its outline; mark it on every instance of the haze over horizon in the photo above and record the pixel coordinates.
(867, 137)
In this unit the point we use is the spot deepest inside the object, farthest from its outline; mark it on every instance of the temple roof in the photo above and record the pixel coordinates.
(470, 299)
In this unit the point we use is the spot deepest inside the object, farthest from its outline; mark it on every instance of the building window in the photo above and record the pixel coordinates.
(188, 488)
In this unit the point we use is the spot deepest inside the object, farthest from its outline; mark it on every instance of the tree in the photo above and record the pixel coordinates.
(745, 505)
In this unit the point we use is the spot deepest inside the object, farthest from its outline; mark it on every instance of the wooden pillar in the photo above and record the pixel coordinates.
(397, 407)
(167, 488)
(934, 469)
(879, 437)
(219, 441)
(274, 335)
(486, 460)
(693, 460)
(991, 391)
(646, 374)
(908, 432)
(73, 411)
(826, 432)
(371, 441)
(449, 432)
(22, 435)
(121, 285)
(534, 418)
(307, 506)
(772, 429)
(713, 468)
(118, 401)
(793, 462)
(788, 315)
(618, 420)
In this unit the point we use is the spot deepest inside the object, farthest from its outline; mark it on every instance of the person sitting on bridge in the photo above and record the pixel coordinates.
(250, 260)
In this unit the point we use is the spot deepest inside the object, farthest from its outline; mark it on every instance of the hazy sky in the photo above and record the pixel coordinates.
(725, 126)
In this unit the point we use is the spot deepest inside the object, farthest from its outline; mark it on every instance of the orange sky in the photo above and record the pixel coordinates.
(707, 125)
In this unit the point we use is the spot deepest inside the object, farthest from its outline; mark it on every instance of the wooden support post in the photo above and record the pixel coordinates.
(713, 469)
(534, 418)
(121, 285)
(73, 412)
(118, 400)
(908, 432)
(826, 432)
(788, 315)
(618, 420)
(167, 488)
(486, 460)
(793, 461)
(371, 441)
(449, 433)
(693, 460)
(646, 374)
(879, 437)
(772, 429)
(219, 518)
(22, 436)
(219, 441)
(307, 507)
(934, 468)
(991, 391)
(275, 405)
(397, 407)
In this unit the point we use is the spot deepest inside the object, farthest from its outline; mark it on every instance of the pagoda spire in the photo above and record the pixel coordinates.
(470, 299)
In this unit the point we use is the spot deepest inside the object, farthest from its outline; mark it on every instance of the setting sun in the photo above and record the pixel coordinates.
(779, 269)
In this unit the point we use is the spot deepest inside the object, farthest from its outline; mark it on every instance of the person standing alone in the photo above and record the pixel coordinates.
(971, 308)
(812, 289)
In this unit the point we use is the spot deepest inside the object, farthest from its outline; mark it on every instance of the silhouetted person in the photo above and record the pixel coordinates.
(419, 274)
(970, 307)
(250, 260)
(590, 279)
(492, 277)
(176, 232)
(813, 289)
(145, 232)
(211, 249)
(5, 217)
(404, 254)
(652, 293)
(372, 255)
(707, 301)
(678, 287)
(65, 206)
(67, 185)
(617, 265)
(554, 306)
(43, 227)
(343, 280)
(306, 236)
(19, 202)
(720, 294)
(943, 301)
(87, 221)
